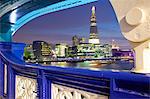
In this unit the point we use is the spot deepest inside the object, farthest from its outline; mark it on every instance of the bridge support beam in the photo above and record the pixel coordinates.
(44, 86)
(5, 37)
(10, 83)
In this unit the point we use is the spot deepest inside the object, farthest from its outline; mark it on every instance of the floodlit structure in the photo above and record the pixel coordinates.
(94, 38)
(60, 49)
(42, 50)
(134, 20)
(30, 81)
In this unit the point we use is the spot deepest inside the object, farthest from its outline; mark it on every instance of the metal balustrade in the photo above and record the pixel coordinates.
(20, 80)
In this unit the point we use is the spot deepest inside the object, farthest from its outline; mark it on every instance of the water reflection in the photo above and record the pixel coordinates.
(95, 65)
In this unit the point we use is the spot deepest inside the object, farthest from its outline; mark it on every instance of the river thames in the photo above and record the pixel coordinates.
(117, 65)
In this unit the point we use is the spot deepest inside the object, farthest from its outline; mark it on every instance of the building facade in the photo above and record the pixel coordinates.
(29, 52)
(42, 50)
(88, 50)
(61, 49)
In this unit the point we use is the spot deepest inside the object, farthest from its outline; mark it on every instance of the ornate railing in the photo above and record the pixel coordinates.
(20, 80)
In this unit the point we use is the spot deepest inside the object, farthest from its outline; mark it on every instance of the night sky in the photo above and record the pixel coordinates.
(60, 26)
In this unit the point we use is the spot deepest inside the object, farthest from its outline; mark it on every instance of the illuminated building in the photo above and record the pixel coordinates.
(60, 50)
(28, 52)
(106, 49)
(94, 49)
(82, 40)
(88, 50)
(72, 51)
(94, 39)
(114, 45)
(75, 40)
(122, 53)
(42, 50)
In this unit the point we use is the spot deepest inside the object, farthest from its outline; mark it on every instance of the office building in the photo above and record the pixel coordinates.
(42, 50)
(60, 50)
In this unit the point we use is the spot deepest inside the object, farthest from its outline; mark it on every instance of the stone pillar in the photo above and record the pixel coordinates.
(134, 19)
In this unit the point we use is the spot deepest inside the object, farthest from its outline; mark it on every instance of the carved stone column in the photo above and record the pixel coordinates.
(134, 19)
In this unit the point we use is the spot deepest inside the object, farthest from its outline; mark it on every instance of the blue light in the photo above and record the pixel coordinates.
(13, 16)
(52, 8)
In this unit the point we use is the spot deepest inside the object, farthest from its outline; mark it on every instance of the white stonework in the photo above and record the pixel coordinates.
(140, 16)
(93, 24)
(63, 92)
(94, 41)
(134, 19)
(26, 88)
(146, 58)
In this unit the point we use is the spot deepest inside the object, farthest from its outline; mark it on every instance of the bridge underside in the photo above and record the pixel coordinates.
(14, 19)
(9, 19)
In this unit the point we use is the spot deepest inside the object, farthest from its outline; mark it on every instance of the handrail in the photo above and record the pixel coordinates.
(103, 82)
(9, 57)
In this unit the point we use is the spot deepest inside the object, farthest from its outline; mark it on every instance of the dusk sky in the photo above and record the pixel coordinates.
(60, 26)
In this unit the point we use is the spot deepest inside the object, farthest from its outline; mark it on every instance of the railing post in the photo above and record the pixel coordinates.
(1, 78)
(10, 82)
(43, 85)
(112, 87)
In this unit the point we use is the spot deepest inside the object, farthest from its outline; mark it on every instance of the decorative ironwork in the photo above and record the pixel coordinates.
(26, 88)
(63, 92)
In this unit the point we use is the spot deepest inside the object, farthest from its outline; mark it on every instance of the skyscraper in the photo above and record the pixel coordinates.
(75, 40)
(42, 50)
(94, 39)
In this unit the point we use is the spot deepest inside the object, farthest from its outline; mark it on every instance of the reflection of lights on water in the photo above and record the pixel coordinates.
(85, 63)
(13, 16)
(94, 68)
(93, 64)
(114, 70)
(62, 64)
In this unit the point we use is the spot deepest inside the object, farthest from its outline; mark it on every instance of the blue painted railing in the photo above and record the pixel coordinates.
(114, 84)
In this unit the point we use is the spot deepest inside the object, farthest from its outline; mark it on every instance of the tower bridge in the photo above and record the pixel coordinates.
(20, 80)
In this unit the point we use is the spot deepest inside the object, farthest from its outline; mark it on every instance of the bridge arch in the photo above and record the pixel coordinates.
(15, 23)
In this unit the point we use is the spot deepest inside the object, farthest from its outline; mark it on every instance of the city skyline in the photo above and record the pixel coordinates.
(61, 26)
